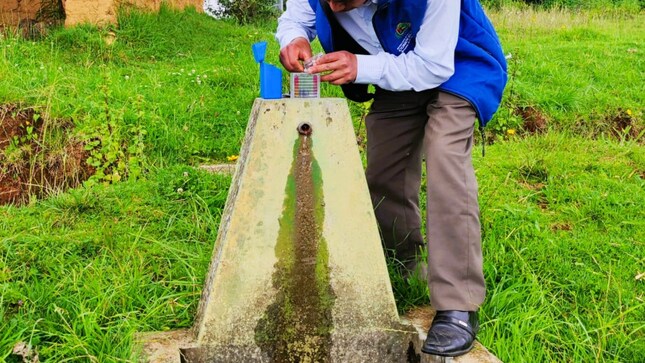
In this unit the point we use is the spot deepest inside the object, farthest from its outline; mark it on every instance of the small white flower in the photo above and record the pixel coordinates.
(180, 190)
(127, 77)
(185, 174)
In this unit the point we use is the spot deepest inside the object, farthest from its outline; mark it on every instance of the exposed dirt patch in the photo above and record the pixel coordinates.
(534, 121)
(563, 226)
(37, 155)
(624, 126)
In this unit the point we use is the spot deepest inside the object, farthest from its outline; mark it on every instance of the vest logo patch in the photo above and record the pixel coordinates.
(405, 43)
(401, 29)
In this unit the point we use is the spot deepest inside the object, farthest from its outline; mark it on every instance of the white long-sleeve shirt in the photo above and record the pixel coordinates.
(427, 66)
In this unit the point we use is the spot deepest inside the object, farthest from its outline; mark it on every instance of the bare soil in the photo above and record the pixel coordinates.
(623, 125)
(534, 122)
(38, 156)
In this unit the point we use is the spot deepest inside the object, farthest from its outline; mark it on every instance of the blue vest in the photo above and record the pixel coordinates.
(480, 65)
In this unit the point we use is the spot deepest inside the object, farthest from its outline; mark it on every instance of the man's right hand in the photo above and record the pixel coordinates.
(298, 50)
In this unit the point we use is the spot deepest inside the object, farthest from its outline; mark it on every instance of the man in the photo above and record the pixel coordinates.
(436, 66)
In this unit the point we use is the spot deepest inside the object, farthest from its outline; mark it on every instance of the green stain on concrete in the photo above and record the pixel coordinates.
(297, 326)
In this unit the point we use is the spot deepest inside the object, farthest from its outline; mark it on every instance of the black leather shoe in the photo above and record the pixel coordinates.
(452, 333)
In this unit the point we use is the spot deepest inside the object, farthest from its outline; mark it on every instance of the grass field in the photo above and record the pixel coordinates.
(562, 205)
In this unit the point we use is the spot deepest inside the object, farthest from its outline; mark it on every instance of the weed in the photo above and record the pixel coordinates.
(116, 150)
(410, 288)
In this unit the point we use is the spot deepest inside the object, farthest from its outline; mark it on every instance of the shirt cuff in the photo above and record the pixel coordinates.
(370, 69)
(289, 35)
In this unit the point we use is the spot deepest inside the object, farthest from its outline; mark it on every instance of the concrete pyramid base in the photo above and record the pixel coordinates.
(298, 272)
(167, 347)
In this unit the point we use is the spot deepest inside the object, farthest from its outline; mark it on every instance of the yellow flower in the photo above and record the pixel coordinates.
(510, 131)
(232, 157)
(629, 112)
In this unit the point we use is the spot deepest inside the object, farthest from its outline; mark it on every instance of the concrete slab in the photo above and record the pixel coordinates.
(219, 168)
(164, 347)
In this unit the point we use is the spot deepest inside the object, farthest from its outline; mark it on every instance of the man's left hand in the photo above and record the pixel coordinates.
(337, 67)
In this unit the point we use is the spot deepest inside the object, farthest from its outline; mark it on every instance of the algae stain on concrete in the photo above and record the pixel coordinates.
(296, 328)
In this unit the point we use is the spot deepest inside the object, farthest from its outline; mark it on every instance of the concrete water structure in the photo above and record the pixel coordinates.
(298, 273)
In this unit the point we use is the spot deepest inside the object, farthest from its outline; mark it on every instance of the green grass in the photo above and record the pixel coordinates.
(564, 239)
(562, 211)
(82, 271)
(189, 82)
(581, 70)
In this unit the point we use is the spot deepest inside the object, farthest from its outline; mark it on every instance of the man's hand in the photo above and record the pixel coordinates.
(298, 50)
(340, 67)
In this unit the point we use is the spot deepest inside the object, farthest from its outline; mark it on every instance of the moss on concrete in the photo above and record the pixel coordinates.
(297, 326)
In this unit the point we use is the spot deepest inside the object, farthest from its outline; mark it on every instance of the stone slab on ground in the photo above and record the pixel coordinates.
(219, 168)
(164, 347)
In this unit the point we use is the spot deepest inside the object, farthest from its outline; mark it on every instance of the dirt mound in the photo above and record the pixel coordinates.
(37, 155)
(534, 121)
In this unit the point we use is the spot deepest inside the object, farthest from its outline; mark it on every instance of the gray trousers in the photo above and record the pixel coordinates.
(403, 128)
